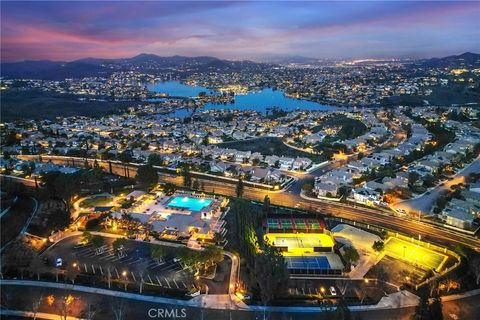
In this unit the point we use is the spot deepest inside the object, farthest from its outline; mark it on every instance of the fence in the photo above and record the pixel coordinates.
(424, 244)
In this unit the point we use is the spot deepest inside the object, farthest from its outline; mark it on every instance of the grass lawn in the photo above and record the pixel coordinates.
(96, 201)
(414, 254)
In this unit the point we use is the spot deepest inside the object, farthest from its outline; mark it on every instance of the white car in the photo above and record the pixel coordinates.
(58, 262)
(333, 292)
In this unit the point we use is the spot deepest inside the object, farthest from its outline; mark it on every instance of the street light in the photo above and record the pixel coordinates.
(322, 289)
(366, 280)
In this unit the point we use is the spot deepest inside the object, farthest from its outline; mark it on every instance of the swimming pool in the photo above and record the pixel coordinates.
(192, 204)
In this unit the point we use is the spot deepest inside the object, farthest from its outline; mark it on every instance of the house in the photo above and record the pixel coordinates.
(471, 196)
(218, 166)
(271, 160)
(259, 174)
(286, 163)
(242, 156)
(323, 189)
(301, 163)
(366, 196)
(458, 218)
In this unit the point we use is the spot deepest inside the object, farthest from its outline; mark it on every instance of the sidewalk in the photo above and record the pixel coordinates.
(39, 315)
(400, 299)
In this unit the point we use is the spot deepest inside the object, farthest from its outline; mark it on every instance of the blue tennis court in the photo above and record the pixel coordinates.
(310, 263)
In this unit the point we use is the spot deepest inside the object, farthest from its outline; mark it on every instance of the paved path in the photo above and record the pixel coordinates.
(400, 299)
(425, 202)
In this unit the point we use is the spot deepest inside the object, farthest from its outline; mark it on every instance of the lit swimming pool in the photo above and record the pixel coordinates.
(192, 204)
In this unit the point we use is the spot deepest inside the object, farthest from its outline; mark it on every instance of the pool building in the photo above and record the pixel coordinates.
(305, 243)
(190, 217)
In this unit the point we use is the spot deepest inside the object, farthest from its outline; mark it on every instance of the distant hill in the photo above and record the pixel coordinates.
(285, 59)
(467, 59)
(58, 70)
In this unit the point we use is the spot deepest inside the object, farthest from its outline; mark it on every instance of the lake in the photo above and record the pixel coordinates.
(258, 101)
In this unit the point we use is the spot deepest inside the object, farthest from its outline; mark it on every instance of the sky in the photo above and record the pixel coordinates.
(61, 30)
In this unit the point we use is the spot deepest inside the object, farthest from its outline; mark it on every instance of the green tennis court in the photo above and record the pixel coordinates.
(414, 254)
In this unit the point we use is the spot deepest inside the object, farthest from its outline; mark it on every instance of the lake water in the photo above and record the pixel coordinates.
(259, 101)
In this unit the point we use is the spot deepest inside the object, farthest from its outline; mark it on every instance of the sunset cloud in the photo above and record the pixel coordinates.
(237, 30)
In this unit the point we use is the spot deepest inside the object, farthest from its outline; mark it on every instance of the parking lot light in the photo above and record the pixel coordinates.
(124, 273)
(322, 290)
(366, 280)
(74, 264)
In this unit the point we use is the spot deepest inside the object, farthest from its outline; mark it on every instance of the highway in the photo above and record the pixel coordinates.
(361, 214)
(292, 199)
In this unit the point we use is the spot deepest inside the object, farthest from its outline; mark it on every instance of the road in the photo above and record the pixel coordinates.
(426, 201)
(290, 198)
(21, 298)
(361, 214)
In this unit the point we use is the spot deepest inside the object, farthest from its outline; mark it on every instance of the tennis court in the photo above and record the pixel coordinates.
(312, 263)
(295, 225)
(414, 254)
(299, 243)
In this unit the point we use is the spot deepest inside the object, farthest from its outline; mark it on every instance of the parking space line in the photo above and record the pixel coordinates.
(101, 271)
(158, 280)
(93, 268)
(133, 275)
(149, 278)
(86, 271)
(176, 283)
(168, 283)
(184, 284)
(134, 261)
(116, 271)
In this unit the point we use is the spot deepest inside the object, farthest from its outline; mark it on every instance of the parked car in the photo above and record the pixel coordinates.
(58, 262)
(333, 292)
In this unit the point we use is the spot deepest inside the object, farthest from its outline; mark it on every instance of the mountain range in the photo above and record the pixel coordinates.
(88, 67)
(151, 63)
(467, 59)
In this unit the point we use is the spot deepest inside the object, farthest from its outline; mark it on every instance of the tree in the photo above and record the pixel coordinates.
(270, 273)
(147, 176)
(72, 272)
(64, 305)
(239, 188)
(154, 159)
(196, 185)
(36, 305)
(266, 205)
(378, 246)
(169, 188)
(98, 241)
(119, 308)
(157, 252)
(18, 256)
(37, 266)
(422, 309)
(86, 237)
(351, 255)
(308, 188)
(342, 312)
(187, 178)
(119, 244)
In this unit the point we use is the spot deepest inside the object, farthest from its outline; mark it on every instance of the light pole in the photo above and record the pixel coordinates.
(124, 274)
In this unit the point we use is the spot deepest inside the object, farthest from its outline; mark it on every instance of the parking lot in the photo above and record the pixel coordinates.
(132, 265)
